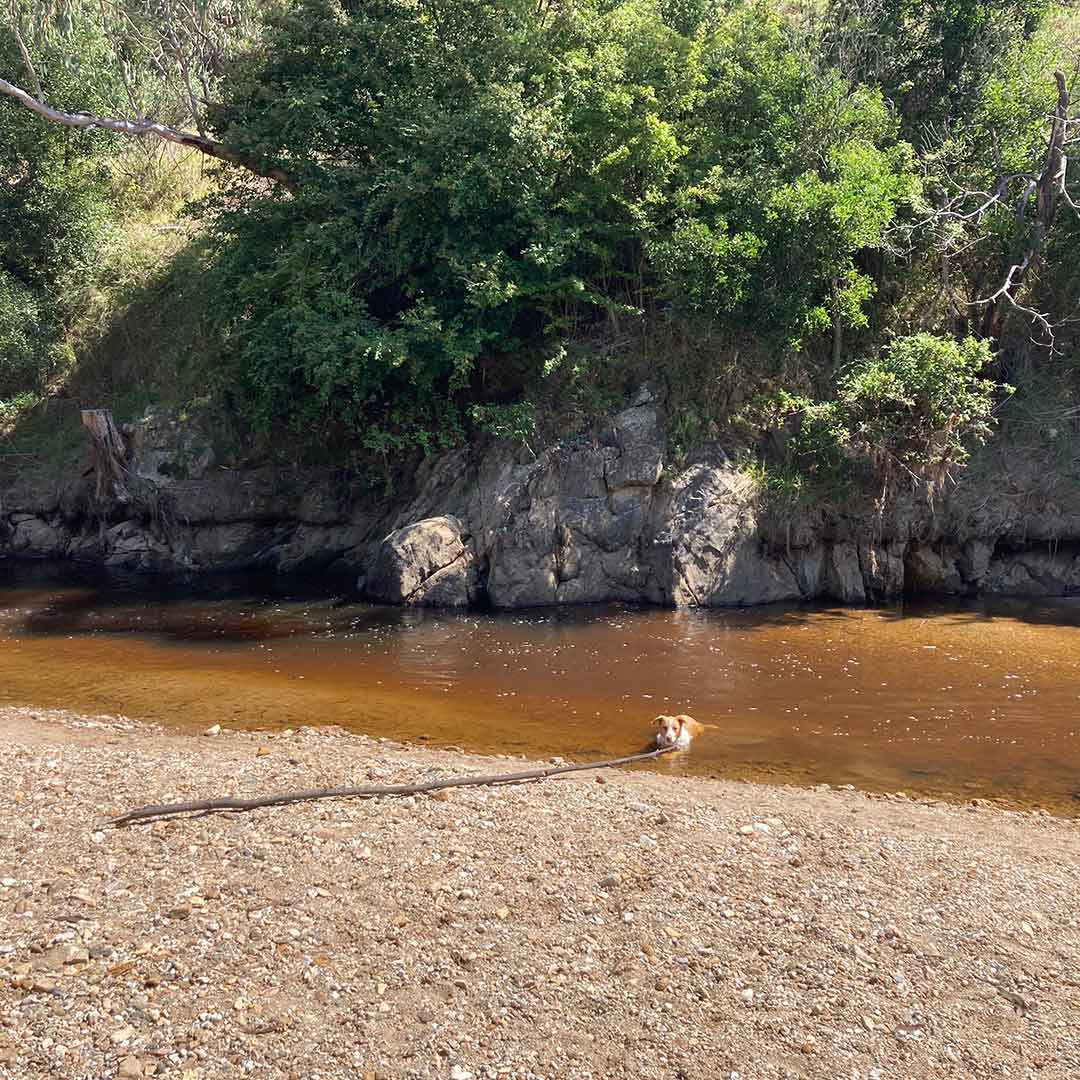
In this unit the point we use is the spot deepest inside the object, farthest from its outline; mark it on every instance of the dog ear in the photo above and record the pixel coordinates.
(659, 721)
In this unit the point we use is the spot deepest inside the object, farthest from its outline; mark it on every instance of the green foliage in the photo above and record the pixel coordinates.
(920, 403)
(53, 213)
(506, 215)
(913, 410)
(481, 181)
(930, 60)
(514, 422)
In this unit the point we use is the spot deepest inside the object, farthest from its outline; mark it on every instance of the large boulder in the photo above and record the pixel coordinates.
(428, 563)
(714, 555)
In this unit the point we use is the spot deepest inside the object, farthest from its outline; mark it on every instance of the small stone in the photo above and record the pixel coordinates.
(502, 913)
(263, 751)
(63, 955)
(868, 1023)
(747, 995)
(459, 1072)
(130, 1068)
(441, 796)
(808, 1047)
(612, 881)
(122, 1035)
(746, 830)
(214, 730)
(181, 911)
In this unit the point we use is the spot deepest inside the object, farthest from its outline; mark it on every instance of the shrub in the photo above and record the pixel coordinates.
(919, 403)
(483, 182)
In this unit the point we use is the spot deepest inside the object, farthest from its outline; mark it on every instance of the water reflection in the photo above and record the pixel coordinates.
(970, 699)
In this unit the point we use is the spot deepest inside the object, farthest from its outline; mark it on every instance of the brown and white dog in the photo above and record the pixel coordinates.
(677, 731)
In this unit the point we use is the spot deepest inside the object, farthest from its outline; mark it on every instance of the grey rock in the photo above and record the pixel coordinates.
(429, 562)
(932, 569)
(882, 567)
(843, 579)
(639, 438)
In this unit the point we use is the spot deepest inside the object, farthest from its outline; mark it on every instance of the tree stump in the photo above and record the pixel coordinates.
(109, 455)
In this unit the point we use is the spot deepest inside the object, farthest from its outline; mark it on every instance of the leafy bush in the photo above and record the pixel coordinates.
(913, 410)
(28, 332)
(479, 184)
(919, 403)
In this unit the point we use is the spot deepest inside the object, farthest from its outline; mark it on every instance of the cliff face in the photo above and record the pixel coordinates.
(606, 517)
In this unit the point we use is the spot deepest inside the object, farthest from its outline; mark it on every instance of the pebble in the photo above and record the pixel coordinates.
(130, 1068)
(214, 730)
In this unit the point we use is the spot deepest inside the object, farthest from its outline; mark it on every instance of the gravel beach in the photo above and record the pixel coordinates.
(604, 925)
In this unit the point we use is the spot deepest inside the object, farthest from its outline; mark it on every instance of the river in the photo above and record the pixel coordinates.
(953, 700)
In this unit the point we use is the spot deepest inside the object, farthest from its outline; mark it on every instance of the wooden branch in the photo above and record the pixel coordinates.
(140, 128)
(372, 791)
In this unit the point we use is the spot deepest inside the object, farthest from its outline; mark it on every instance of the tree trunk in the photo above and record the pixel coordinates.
(109, 453)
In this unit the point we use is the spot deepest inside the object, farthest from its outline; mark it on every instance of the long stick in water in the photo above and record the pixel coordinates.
(146, 813)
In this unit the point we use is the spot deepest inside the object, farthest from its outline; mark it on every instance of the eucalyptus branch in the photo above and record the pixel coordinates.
(142, 128)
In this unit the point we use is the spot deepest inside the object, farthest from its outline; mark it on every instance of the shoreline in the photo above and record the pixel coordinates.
(640, 926)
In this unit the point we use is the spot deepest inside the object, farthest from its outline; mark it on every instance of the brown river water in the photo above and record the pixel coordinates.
(945, 699)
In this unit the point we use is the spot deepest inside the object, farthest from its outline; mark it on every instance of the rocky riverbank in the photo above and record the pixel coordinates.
(606, 516)
(638, 927)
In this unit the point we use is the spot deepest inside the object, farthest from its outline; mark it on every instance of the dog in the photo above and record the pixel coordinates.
(677, 731)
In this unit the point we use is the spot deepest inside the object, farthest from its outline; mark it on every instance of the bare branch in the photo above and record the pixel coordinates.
(141, 128)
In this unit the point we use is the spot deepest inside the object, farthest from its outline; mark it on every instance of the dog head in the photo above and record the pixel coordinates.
(669, 729)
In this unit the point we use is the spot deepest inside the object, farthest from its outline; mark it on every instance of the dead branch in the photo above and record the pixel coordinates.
(373, 791)
(1047, 187)
(141, 128)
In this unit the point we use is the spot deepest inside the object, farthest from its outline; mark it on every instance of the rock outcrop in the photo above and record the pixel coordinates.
(430, 563)
(598, 517)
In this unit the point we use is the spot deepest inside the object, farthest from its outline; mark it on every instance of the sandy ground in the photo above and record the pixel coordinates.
(642, 926)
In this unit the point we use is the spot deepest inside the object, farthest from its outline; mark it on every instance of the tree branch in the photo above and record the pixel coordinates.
(153, 813)
(140, 128)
